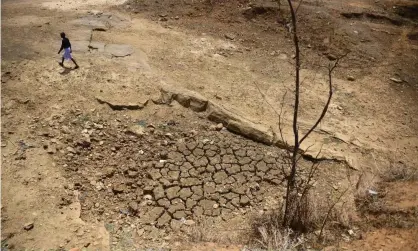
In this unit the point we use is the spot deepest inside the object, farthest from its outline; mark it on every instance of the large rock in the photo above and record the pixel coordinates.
(217, 113)
(186, 98)
(116, 105)
(240, 125)
(92, 22)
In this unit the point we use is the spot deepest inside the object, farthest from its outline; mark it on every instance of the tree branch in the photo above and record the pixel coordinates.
(325, 109)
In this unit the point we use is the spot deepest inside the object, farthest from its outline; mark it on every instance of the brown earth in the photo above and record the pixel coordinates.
(77, 173)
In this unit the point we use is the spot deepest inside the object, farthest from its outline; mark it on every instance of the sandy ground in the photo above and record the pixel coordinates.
(372, 122)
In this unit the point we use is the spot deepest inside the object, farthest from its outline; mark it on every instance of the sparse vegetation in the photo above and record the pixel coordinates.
(138, 173)
(399, 172)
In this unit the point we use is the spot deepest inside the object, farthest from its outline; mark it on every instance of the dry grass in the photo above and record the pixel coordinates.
(335, 207)
(399, 172)
(275, 239)
(269, 234)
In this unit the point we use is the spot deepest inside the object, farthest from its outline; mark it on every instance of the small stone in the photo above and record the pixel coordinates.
(132, 174)
(219, 126)
(215, 206)
(350, 78)
(109, 172)
(118, 188)
(51, 150)
(332, 57)
(396, 80)
(137, 130)
(133, 206)
(229, 36)
(28, 226)
(164, 155)
(154, 174)
(71, 150)
(147, 197)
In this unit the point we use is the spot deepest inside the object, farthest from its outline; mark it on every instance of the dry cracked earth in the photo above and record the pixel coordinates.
(81, 172)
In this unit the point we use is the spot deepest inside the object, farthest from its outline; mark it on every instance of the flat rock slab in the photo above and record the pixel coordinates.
(80, 46)
(119, 50)
(92, 22)
(116, 105)
(81, 34)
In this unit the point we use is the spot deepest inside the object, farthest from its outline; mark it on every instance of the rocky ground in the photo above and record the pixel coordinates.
(167, 135)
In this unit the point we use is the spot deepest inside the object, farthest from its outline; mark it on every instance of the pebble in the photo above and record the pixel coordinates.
(147, 197)
(331, 57)
(229, 36)
(219, 126)
(28, 226)
(396, 80)
(350, 78)
(71, 150)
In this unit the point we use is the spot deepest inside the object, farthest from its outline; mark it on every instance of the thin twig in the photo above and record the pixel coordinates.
(329, 212)
(325, 109)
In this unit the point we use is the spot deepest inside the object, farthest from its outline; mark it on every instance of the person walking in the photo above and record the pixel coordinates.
(66, 46)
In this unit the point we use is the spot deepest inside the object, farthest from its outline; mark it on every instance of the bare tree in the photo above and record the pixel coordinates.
(297, 189)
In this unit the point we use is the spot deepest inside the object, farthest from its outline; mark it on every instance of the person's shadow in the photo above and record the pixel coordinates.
(66, 70)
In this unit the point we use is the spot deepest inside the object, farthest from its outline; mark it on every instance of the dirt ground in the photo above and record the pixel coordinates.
(79, 174)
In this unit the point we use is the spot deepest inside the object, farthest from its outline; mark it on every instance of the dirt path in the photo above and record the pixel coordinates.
(125, 57)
